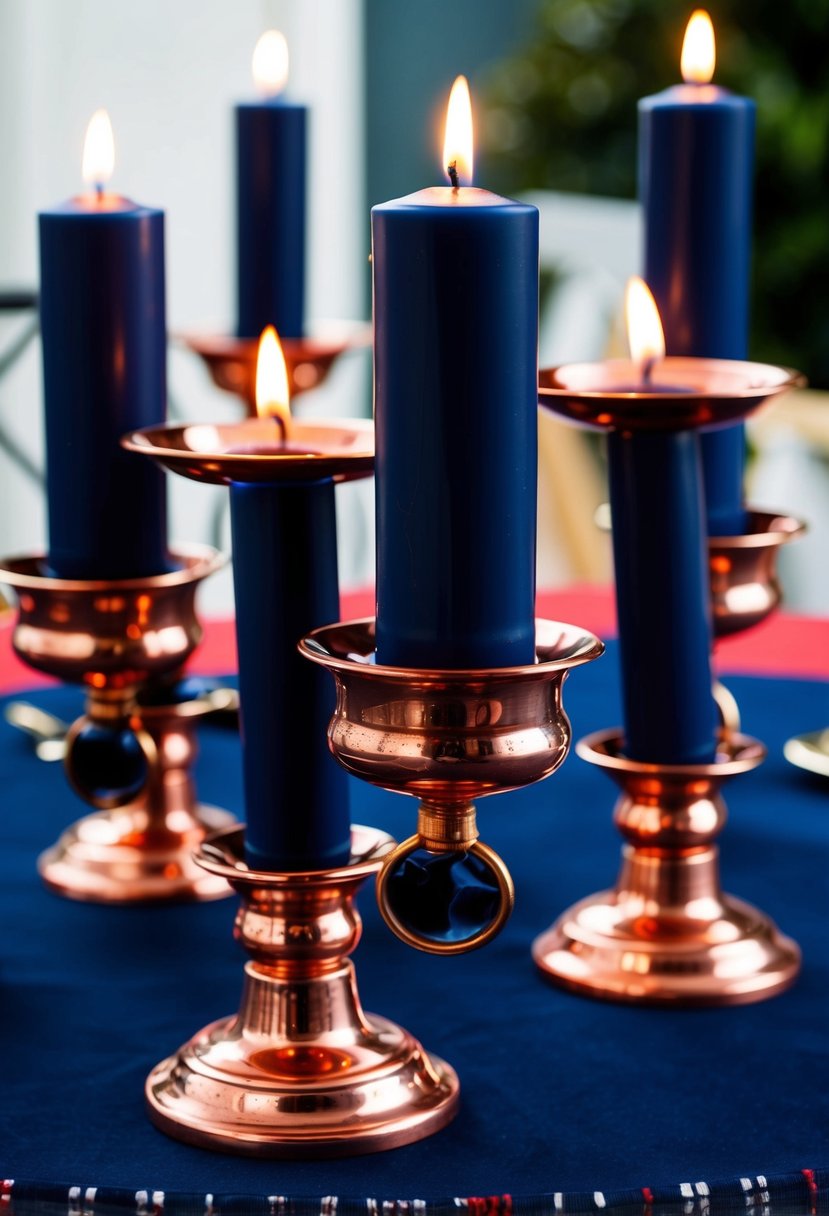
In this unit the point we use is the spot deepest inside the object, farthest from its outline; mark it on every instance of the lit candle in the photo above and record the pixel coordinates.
(696, 149)
(661, 565)
(104, 373)
(285, 581)
(270, 199)
(455, 314)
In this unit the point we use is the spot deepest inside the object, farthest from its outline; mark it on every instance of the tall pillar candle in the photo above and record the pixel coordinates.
(271, 136)
(104, 373)
(455, 313)
(696, 151)
(285, 581)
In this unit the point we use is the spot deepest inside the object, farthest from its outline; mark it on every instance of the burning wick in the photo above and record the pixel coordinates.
(644, 326)
(272, 391)
(452, 170)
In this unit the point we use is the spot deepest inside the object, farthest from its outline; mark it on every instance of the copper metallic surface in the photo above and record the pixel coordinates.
(107, 633)
(448, 737)
(300, 1070)
(744, 584)
(666, 934)
(684, 394)
(116, 637)
(231, 361)
(249, 451)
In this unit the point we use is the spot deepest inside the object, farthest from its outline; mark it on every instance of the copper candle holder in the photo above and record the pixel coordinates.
(448, 737)
(745, 588)
(121, 639)
(666, 934)
(231, 361)
(300, 1070)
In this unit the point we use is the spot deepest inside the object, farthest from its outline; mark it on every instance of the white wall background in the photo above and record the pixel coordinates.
(169, 74)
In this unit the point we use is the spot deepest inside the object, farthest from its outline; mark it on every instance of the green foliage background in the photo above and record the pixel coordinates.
(561, 115)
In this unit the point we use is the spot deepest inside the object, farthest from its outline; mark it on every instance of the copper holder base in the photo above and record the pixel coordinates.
(666, 934)
(121, 639)
(300, 1070)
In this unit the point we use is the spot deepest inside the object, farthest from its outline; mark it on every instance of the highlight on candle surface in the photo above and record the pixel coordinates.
(699, 54)
(270, 63)
(272, 392)
(98, 151)
(457, 142)
(644, 326)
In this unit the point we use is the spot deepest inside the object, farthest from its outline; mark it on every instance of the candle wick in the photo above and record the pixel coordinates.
(452, 170)
(281, 424)
(647, 369)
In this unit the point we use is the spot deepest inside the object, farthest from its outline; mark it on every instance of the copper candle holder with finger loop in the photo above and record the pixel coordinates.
(300, 1070)
(124, 641)
(666, 934)
(448, 737)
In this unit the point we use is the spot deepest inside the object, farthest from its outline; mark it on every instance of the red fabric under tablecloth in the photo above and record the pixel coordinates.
(783, 645)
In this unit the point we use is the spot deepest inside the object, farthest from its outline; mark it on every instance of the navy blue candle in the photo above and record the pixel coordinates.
(270, 201)
(696, 152)
(661, 573)
(285, 581)
(455, 316)
(104, 373)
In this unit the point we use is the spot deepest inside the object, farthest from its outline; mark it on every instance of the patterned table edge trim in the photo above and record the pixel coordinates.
(805, 1193)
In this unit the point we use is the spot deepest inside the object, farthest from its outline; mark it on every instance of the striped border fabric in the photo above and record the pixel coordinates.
(802, 1194)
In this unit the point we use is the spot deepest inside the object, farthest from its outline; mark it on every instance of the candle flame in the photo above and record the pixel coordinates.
(272, 392)
(699, 53)
(98, 151)
(457, 143)
(270, 63)
(645, 337)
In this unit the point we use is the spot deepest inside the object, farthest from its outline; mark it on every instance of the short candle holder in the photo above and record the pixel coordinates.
(131, 755)
(300, 1070)
(448, 737)
(666, 934)
(231, 361)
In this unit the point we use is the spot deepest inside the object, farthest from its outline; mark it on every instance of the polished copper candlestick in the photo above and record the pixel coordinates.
(666, 934)
(448, 737)
(300, 1070)
(231, 361)
(121, 639)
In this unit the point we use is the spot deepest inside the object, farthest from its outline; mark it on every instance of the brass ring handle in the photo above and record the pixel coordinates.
(126, 754)
(727, 708)
(437, 945)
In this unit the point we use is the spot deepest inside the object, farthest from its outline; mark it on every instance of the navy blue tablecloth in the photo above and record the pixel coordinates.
(592, 1105)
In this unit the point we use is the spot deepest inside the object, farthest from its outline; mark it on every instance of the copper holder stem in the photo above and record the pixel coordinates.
(448, 737)
(120, 639)
(300, 1070)
(666, 934)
